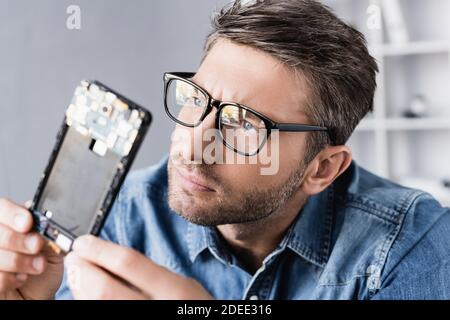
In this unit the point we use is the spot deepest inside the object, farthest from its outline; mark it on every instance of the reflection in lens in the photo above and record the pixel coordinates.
(185, 102)
(242, 129)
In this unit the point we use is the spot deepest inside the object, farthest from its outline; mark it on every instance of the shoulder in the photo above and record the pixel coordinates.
(374, 195)
(418, 264)
(412, 211)
(401, 232)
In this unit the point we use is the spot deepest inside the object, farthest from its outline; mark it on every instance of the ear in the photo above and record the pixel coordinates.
(329, 164)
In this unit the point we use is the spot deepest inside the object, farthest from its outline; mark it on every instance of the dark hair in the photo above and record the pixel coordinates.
(307, 37)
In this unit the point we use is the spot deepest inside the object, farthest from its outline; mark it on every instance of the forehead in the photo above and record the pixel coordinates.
(242, 74)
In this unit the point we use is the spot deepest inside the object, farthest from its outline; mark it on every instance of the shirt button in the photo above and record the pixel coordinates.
(254, 297)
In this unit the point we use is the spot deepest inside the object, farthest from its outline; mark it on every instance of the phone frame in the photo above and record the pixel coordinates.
(41, 222)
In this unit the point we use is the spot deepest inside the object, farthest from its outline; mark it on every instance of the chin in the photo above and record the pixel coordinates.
(196, 216)
(193, 212)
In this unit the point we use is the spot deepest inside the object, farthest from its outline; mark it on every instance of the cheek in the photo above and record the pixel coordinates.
(277, 160)
(237, 176)
(244, 178)
(285, 154)
(292, 149)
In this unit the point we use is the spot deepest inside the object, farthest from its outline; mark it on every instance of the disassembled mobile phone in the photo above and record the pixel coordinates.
(95, 147)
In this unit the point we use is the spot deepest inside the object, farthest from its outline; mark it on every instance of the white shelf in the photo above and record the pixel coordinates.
(411, 48)
(398, 124)
(433, 186)
(418, 124)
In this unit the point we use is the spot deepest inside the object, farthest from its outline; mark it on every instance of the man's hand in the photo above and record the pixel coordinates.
(28, 268)
(102, 270)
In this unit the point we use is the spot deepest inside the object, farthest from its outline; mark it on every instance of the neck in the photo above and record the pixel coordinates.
(253, 242)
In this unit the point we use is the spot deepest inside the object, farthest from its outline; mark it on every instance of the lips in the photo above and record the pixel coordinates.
(193, 182)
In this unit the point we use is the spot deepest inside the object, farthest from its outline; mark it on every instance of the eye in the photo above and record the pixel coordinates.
(247, 126)
(198, 102)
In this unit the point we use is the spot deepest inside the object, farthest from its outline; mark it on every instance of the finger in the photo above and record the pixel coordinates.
(89, 282)
(25, 243)
(10, 281)
(15, 216)
(127, 264)
(21, 263)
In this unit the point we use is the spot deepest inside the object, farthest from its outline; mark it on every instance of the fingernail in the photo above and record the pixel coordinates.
(21, 276)
(28, 203)
(38, 263)
(20, 221)
(31, 242)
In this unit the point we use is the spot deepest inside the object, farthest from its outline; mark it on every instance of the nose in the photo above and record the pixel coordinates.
(203, 137)
(191, 143)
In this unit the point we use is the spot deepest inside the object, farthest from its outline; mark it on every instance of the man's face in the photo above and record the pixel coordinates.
(230, 193)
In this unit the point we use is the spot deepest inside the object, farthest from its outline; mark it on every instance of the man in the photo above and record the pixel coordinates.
(319, 227)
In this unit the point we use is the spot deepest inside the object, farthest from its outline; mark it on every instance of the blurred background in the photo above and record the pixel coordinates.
(407, 137)
(128, 46)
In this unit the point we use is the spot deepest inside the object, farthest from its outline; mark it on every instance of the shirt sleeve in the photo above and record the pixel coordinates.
(431, 284)
(422, 269)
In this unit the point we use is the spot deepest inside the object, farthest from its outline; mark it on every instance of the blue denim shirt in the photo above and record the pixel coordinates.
(362, 238)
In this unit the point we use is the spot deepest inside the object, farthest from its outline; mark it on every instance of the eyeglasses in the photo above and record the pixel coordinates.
(241, 128)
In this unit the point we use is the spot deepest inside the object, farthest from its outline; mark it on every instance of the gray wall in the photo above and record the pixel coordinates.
(125, 44)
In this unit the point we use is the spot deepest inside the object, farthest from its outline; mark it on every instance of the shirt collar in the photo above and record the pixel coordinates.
(309, 236)
(200, 238)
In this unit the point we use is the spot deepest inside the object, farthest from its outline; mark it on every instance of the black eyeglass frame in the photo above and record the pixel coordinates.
(219, 105)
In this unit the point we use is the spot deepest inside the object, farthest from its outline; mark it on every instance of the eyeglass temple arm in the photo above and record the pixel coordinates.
(298, 127)
(304, 128)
